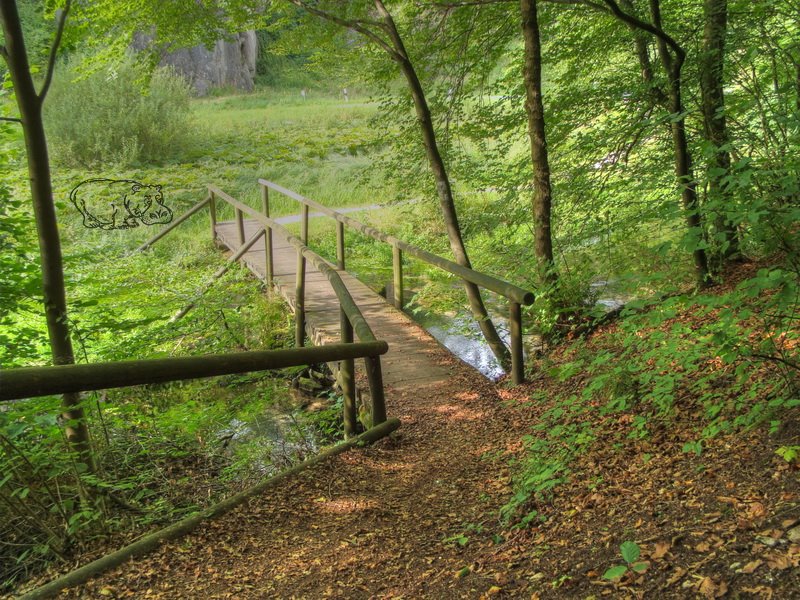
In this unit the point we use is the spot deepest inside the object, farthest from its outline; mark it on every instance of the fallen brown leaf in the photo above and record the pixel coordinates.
(752, 566)
(660, 550)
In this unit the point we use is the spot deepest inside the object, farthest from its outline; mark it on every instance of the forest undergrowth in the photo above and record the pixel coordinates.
(664, 455)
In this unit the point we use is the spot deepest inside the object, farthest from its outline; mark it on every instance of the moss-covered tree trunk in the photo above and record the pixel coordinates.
(715, 123)
(541, 200)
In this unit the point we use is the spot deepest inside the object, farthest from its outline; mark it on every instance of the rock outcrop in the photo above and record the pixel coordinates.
(231, 62)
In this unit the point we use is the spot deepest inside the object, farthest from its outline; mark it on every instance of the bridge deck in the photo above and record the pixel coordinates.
(409, 360)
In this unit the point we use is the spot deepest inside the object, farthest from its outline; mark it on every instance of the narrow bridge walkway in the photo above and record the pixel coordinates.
(407, 363)
(371, 523)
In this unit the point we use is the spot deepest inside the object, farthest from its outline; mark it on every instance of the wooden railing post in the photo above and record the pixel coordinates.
(375, 378)
(347, 380)
(240, 225)
(340, 245)
(300, 301)
(517, 364)
(304, 224)
(212, 213)
(397, 268)
(268, 238)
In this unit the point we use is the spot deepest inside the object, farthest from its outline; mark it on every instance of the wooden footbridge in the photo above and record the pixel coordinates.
(276, 257)
(331, 308)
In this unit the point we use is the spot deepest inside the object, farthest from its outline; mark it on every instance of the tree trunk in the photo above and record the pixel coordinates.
(685, 176)
(542, 192)
(443, 187)
(715, 125)
(683, 158)
(55, 304)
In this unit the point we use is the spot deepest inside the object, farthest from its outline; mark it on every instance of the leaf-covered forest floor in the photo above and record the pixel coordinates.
(416, 515)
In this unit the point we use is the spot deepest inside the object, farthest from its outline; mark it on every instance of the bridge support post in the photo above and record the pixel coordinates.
(517, 363)
(347, 380)
(397, 268)
(375, 378)
(267, 239)
(300, 301)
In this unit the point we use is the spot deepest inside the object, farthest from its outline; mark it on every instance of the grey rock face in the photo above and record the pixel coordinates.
(231, 62)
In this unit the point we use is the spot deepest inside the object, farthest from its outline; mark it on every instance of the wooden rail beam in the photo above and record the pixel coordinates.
(508, 290)
(268, 252)
(300, 300)
(347, 380)
(208, 201)
(29, 382)
(217, 275)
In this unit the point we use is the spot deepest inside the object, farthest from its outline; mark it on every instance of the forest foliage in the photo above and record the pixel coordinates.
(721, 347)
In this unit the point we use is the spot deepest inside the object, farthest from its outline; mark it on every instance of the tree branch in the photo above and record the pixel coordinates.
(680, 53)
(589, 3)
(354, 25)
(51, 62)
(11, 119)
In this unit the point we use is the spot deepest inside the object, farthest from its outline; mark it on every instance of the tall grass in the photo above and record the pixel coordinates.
(117, 115)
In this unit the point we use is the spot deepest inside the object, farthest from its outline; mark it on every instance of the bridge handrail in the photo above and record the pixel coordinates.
(29, 382)
(504, 288)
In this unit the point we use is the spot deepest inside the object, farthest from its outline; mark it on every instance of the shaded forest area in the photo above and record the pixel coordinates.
(635, 163)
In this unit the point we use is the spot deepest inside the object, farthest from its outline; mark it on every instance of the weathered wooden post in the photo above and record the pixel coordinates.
(517, 364)
(268, 237)
(300, 300)
(304, 224)
(397, 268)
(340, 245)
(347, 379)
(212, 213)
(375, 379)
(240, 225)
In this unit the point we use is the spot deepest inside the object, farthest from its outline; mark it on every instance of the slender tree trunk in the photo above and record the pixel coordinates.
(683, 158)
(713, 101)
(673, 66)
(542, 191)
(55, 303)
(443, 186)
(685, 176)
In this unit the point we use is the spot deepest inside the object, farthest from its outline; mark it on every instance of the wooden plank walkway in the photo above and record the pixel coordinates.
(409, 360)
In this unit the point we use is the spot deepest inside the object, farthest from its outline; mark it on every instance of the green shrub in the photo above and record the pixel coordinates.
(118, 115)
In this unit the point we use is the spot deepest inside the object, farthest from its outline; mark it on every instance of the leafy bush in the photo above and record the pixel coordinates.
(120, 115)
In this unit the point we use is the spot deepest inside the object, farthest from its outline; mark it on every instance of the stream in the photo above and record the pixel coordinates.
(280, 438)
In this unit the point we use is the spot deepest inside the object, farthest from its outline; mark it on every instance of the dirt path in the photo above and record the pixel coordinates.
(369, 523)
